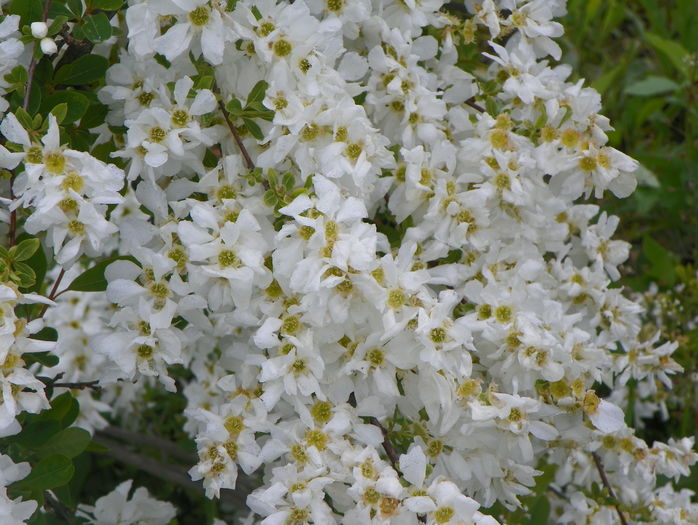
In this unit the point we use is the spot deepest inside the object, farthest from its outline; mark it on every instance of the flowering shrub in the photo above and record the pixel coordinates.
(356, 236)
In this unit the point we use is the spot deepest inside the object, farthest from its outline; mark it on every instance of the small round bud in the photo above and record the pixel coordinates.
(39, 30)
(48, 46)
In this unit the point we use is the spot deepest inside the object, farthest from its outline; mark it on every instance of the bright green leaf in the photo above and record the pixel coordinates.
(97, 28)
(57, 24)
(270, 198)
(257, 93)
(25, 249)
(60, 111)
(49, 472)
(253, 128)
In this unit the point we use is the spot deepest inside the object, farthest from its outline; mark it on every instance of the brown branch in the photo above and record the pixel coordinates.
(59, 508)
(607, 484)
(471, 102)
(81, 385)
(236, 136)
(390, 451)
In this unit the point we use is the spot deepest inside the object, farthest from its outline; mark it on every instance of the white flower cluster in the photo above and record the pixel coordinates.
(382, 275)
(13, 512)
(116, 508)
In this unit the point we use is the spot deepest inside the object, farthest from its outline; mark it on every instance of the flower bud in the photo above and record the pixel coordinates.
(39, 29)
(48, 46)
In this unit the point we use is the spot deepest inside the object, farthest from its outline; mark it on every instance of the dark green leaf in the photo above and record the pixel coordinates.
(75, 6)
(25, 249)
(28, 10)
(37, 433)
(46, 334)
(49, 472)
(64, 409)
(85, 70)
(94, 117)
(44, 358)
(92, 280)
(76, 103)
(68, 442)
(97, 28)
(57, 24)
(107, 5)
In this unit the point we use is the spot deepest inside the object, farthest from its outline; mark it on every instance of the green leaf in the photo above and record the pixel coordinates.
(540, 511)
(76, 103)
(288, 181)
(37, 433)
(92, 279)
(25, 249)
(68, 442)
(234, 107)
(46, 334)
(652, 86)
(673, 50)
(662, 262)
(46, 359)
(28, 10)
(57, 24)
(64, 409)
(97, 28)
(94, 117)
(257, 93)
(253, 128)
(49, 472)
(36, 262)
(75, 6)
(60, 111)
(107, 5)
(270, 198)
(85, 70)
(26, 274)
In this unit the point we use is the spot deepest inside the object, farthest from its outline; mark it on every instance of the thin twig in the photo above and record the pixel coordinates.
(390, 451)
(59, 508)
(471, 102)
(236, 136)
(81, 385)
(607, 484)
(32, 64)
(53, 295)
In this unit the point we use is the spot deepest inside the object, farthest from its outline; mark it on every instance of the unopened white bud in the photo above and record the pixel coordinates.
(39, 29)
(48, 46)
